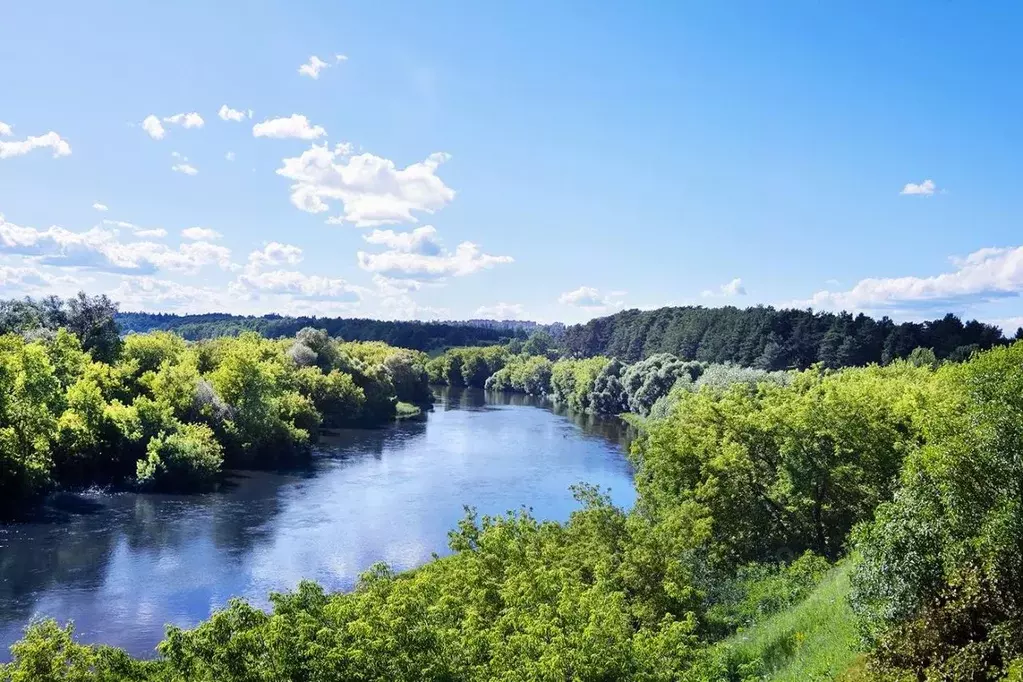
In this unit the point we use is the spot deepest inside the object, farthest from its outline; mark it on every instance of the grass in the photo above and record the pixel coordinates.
(406, 411)
(814, 640)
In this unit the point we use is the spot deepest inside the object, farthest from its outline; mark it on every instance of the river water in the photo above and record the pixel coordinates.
(121, 566)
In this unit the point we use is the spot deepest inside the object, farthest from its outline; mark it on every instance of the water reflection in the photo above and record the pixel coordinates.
(121, 566)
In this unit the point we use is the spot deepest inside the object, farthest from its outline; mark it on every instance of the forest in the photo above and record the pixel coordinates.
(761, 337)
(766, 338)
(858, 523)
(80, 405)
(424, 336)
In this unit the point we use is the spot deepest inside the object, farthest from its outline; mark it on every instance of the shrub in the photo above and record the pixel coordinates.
(187, 459)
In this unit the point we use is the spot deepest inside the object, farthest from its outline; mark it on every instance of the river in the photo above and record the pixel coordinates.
(123, 565)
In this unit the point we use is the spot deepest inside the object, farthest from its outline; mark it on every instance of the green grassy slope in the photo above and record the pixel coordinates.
(814, 640)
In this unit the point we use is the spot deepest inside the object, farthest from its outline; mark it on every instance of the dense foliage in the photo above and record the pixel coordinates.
(424, 336)
(762, 496)
(596, 385)
(940, 585)
(167, 414)
(767, 338)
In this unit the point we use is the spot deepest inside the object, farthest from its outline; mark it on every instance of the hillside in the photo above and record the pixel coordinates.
(769, 338)
(424, 336)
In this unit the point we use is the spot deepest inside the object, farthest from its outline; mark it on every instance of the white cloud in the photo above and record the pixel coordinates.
(294, 126)
(190, 120)
(5, 129)
(422, 240)
(395, 287)
(259, 278)
(501, 311)
(733, 288)
(404, 308)
(590, 297)
(121, 223)
(372, 189)
(200, 234)
(275, 253)
(183, 166)
(229, 156)
(313, 67)
(151, 124)
(226, 113)
(1009, 325)
(297, 283)
(338, 58)
(925, 188)
(100, 207)
(154, 125)
(156, 232)
(50, 140)
(984, 275)
(148, 293)
(420, 257)
(21, 277)
(100, 249)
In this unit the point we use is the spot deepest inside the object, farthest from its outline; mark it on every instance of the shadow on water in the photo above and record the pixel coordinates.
(122, 565)
(611, 429)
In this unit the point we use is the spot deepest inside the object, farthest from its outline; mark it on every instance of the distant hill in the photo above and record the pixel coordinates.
(760, 336)
(773, 339)
(425, 336)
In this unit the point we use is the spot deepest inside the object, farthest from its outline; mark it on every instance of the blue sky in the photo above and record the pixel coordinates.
(552, 161)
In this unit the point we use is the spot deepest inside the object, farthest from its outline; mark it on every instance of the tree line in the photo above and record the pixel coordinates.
(79, 405)
(761, 337)
(766, 338)
(424, 336)
(906, 477)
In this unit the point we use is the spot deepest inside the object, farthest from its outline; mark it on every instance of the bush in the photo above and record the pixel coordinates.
(187, 459)
(938, 589)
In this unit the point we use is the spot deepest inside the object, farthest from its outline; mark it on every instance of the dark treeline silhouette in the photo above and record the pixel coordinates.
(424, 336)
(767, 338)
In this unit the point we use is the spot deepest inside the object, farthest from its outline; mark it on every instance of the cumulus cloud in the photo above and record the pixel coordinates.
(274, 254)
(263, 275)
(925, 188)
(100, 249)
(733, 288)
(501, 311)
(984, 275)
(315, 65)
(21, 277)
(200, 234)
(183, 166)
(156, 233)
(226, 113)
(5, 129)
(387, 286)
(153, 125)
(422, 240)
(50, 140)
(149, 293)
(190, 120)
(121, 223)
(100, 207)
(297, 283)
(294, 126)
(590, 297)
(1009, 325)
(419, 256)
(372, 190)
